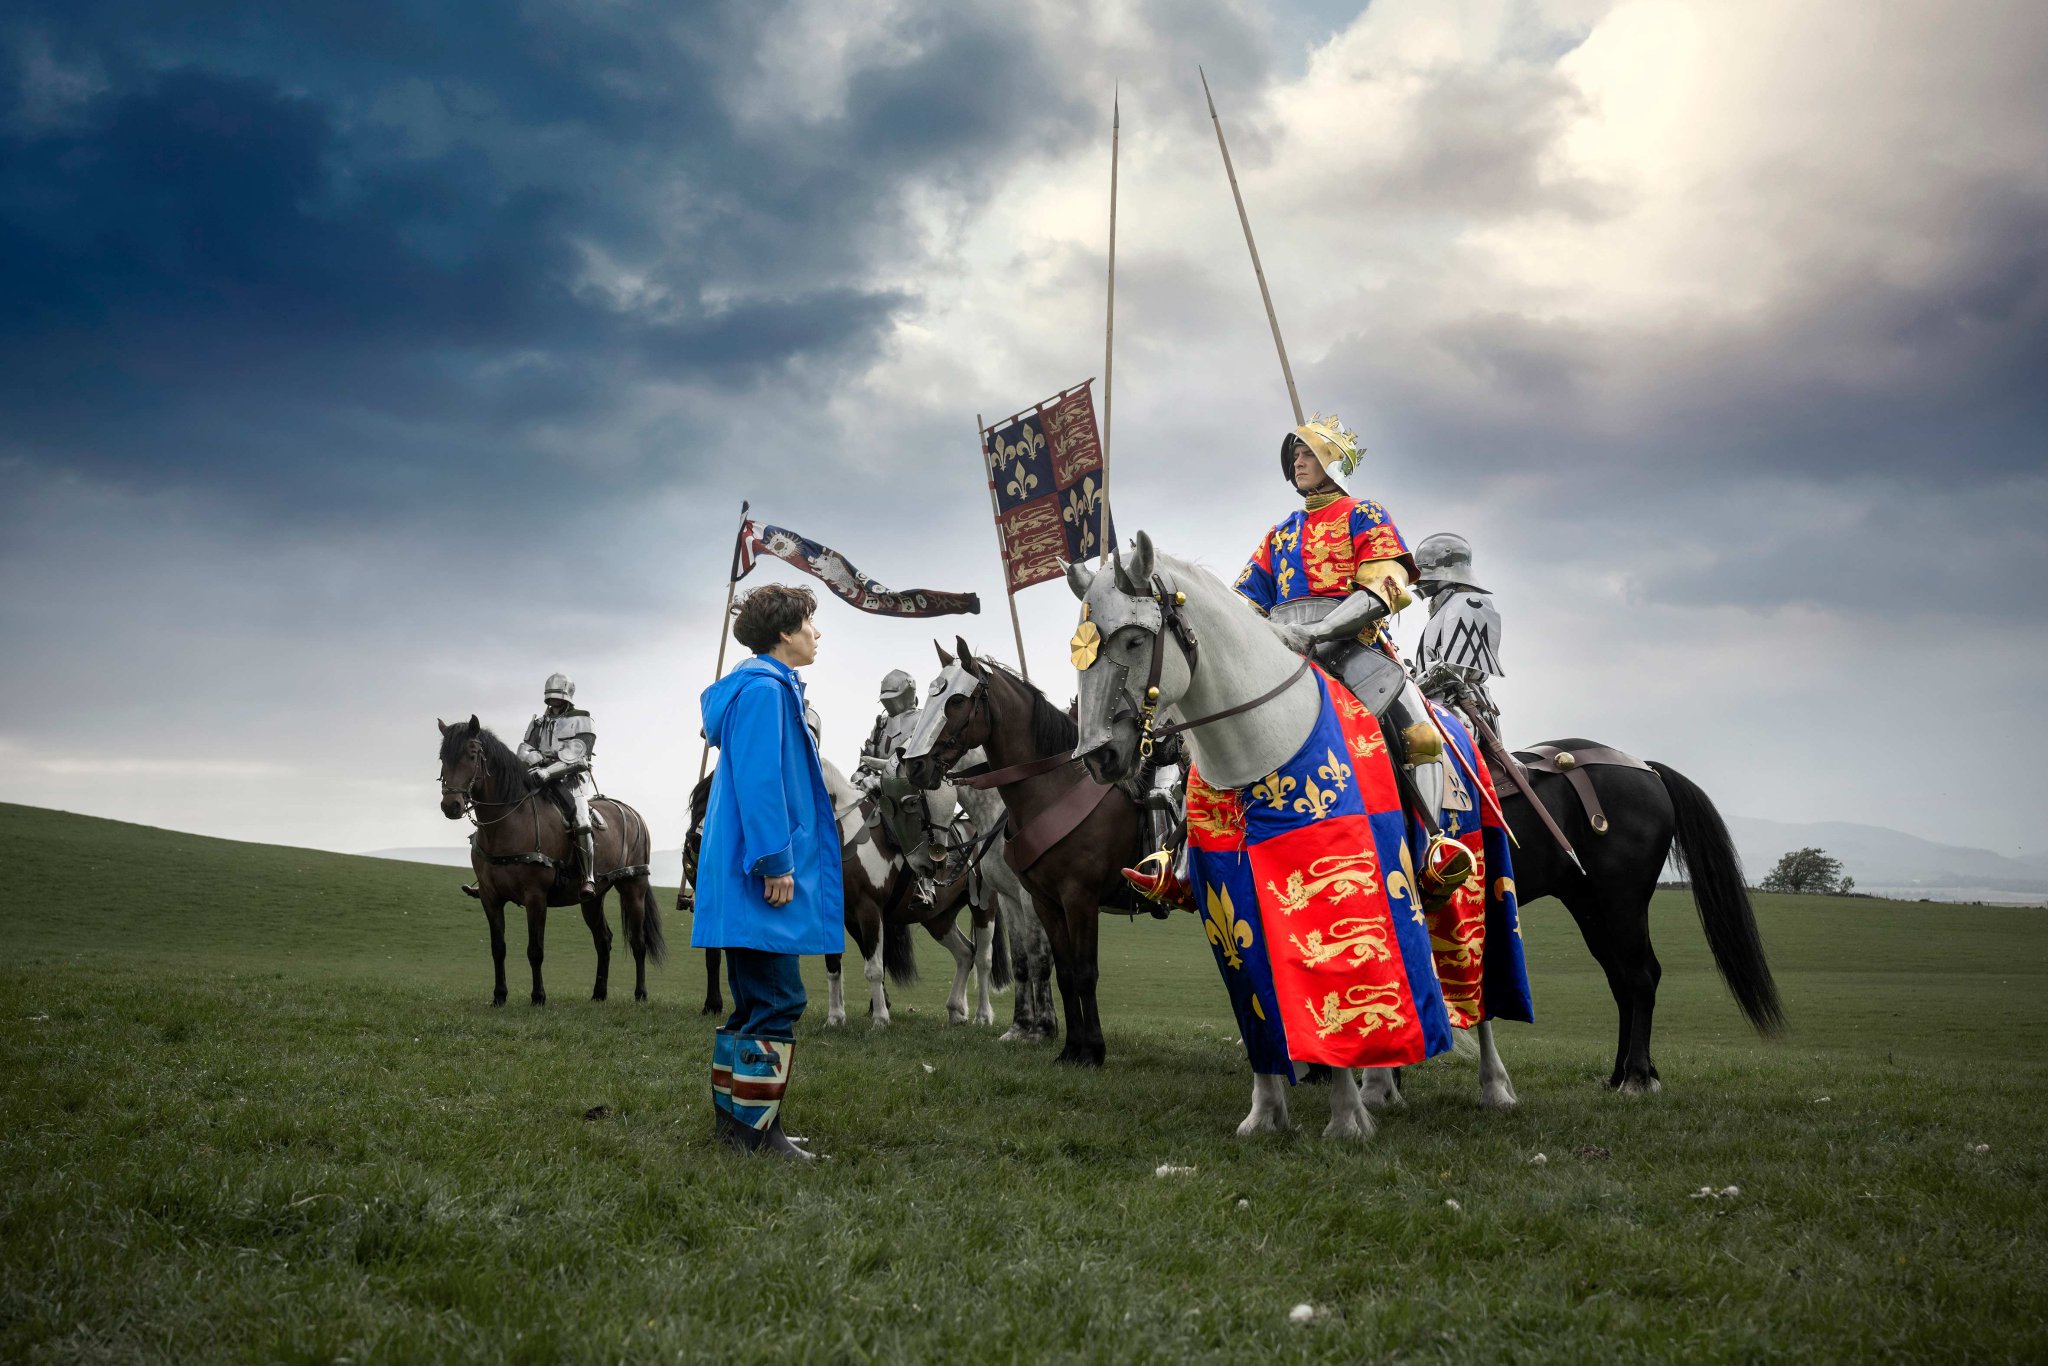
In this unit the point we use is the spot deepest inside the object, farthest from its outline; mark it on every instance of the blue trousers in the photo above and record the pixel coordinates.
(767, 992)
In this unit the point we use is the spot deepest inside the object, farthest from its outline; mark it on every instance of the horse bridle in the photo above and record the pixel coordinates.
(1174, 623)
(474, 752)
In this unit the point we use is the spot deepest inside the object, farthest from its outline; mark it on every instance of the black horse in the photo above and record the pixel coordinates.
(1652, 817)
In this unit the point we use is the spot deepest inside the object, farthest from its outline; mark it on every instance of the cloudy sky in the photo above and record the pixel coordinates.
(362, 364)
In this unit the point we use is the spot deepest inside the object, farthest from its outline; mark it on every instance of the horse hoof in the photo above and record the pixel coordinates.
(835, 1021)
(1254, 1125)
(640, 995)
(540, 999)
(985, 1017)
(1641, 1086)
(1498, 1096)
(1349, 1129)
(497, 1001)
(597, 996)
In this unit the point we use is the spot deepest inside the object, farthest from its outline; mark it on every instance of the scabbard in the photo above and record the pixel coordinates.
(1520, 777)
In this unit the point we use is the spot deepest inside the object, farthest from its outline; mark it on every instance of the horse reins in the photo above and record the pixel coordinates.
(1183, 634)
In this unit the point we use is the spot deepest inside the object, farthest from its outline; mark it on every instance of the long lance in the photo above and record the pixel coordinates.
(1520, 778)
(732, 582)
(1272, 319)
(1478, 788)
(1116, 123)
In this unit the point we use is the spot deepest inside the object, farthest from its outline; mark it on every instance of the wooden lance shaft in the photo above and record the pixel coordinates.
(1272, 319)
(1116, 121)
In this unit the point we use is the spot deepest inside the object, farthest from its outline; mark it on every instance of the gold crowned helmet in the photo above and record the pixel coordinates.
(1334, 445)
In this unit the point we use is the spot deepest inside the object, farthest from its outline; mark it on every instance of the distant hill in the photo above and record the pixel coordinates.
(1892, 863)
(667, 864)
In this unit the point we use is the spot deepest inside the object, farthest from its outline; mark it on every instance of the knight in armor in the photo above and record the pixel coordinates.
(1460, 646)
(1330, 577)
(558, 748)
(901, 805)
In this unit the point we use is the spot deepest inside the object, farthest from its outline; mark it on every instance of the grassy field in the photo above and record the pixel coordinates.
(256, 1106)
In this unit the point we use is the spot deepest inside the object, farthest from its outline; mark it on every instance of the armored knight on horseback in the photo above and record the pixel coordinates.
(1460, 646)
(902, 809)
(557, 747)
(1329, 577)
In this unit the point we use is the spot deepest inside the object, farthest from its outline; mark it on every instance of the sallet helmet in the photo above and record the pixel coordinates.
(899, 692)
(1445, 558)
(559, 685)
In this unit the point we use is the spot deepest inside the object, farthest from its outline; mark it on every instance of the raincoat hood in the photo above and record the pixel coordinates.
(762, 671)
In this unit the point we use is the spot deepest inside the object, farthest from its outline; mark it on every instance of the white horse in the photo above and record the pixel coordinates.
(1240, 659)
(1033, 1018)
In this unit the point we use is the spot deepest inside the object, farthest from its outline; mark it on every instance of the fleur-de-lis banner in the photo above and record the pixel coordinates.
(832, 569)
(1045, 466)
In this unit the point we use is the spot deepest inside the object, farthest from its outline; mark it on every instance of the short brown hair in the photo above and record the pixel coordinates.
(769, 613)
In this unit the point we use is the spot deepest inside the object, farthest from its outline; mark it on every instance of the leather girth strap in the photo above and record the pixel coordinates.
(1572, 764)
(1055, 823)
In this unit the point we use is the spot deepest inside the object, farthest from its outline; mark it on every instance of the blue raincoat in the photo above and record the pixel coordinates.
(770, 815)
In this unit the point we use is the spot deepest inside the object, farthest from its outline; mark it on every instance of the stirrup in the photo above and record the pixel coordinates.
(473, 889)
(1446, 867)
(1155, 880)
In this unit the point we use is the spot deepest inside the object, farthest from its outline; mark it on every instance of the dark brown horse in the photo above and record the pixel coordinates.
(983, 705)
(522, 854)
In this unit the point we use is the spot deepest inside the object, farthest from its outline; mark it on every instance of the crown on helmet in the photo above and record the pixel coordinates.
(1334, 445)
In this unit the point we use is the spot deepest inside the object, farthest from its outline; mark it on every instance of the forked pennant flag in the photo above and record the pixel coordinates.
(831, 568)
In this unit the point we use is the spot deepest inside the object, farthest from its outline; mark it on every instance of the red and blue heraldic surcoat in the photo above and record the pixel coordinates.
(1306, 889)
(1319, 554)
(1476, 937)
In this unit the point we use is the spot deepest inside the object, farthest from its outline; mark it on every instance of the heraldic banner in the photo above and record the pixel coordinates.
(1477, 934)
(1306, 888)
(1045, 468)
(829, 567)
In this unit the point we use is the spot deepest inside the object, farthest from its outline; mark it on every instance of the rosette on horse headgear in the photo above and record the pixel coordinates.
(1334, 446)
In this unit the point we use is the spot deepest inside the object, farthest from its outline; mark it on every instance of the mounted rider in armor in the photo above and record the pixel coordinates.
(902, 808)
(558, 747)
(1329, 577)
(1460, 645)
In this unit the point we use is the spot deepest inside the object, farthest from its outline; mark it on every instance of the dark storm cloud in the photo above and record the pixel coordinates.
(323, 255)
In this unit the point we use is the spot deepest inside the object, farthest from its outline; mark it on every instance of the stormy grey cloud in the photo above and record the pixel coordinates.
(368, 363)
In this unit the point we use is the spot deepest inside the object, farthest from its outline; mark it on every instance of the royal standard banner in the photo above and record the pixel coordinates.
(1045, 469)
(831, 568)
(1307, 891)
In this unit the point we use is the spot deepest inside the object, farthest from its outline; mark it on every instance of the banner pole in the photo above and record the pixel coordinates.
(1002, 551)
(1272, 319)
(1116, 122)
(732, 583)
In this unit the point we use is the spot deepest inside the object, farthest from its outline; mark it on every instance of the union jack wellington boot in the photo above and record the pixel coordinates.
(1159, 882)
(758, 1079)
(1444, 870)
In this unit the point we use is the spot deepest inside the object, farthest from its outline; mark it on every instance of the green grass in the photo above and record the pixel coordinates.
(256, 1106)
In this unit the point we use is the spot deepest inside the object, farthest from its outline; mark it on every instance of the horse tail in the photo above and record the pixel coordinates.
(1706, 855)
(650, 923)
(1000, 974)
(899, 955)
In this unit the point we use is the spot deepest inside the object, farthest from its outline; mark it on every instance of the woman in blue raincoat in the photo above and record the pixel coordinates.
(768, 881)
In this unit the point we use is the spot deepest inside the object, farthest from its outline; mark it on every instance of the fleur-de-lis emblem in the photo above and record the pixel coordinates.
(1284, 581)
(1334, 771)
(1286, 538)
(1315, 802)
(1224, 929)
(1401, 886)
(1021, 483)
(1082, 503)
(1273, 790)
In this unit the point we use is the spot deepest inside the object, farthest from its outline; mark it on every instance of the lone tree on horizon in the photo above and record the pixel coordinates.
(1808, 870)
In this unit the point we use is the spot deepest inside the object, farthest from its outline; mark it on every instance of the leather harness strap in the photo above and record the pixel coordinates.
(1056, 822)
(1573, 763)
(1003, 777)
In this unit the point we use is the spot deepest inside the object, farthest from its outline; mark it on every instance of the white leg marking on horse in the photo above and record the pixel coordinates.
(1348, 1116)
(836, 1013)
(1377, 1090)
(956, 944)
(1633, 1087)
(1496, 1092)
(1269, 1107)
(878, 996)
(984, 968)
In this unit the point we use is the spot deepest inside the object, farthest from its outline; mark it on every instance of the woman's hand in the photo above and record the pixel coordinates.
(779, 890)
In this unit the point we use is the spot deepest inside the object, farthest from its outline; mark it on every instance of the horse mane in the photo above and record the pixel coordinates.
(1052, 730)
(502, 767)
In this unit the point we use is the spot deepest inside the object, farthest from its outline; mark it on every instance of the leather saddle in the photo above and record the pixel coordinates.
(1572, 765)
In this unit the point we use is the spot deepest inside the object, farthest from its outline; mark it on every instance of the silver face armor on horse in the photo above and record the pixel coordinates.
(558, 747)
